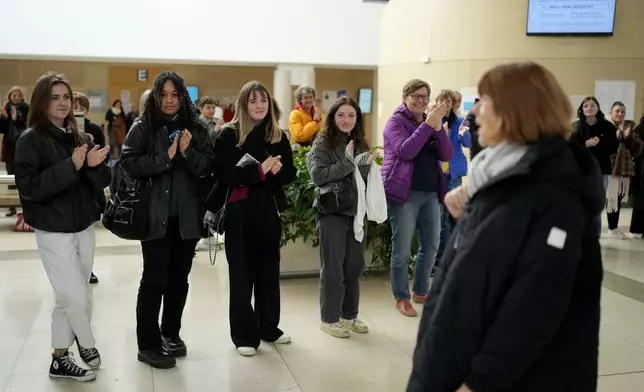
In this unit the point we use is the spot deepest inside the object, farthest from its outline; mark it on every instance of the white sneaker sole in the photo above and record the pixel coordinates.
(336, 333)
(246, 351)
(89, 377)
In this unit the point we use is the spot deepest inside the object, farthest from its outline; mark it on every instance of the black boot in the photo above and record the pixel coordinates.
(93, 279)
(157, 358)
(175, 347)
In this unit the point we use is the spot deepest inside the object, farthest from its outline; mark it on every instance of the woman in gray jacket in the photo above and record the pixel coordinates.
(331, 165)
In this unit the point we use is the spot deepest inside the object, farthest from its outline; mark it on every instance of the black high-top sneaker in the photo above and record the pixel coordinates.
(174, 346)
(89, 356)
(65, 367)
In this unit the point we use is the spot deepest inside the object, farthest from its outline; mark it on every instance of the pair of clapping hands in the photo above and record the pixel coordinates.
(182, 143)
(435, 117)
(272, 164)
(94, 157)
(364, 159)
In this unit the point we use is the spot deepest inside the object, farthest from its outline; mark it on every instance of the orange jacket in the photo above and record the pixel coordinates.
(302, 126)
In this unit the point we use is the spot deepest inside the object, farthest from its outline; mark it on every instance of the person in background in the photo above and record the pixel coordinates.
(596, 133)
(637, 189)
(61, 177)
(623, 167)
(131, 117)
(318, 104)
(168, 146)
(455, 169)
(81, 104)
(515, 305)
(330, 163)
(304, 120)
(473, 127)
(252, 222)
(144, 99)
(207, 106)
(414, 146)
(229, 113)
(13, 122)
(458, 100)
(116, 126)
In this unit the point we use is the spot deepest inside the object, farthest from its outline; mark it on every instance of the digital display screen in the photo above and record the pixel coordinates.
(571, 17)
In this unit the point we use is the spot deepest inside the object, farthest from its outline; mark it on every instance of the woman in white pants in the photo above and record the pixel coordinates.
(60, 176)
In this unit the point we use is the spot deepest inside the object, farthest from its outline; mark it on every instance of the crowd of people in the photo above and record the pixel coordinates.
(514, 250)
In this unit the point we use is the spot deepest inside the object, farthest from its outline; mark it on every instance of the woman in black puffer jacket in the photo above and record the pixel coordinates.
(174, 162)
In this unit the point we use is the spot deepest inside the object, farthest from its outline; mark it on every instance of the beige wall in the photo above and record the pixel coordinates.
(220, 81)
(464, 38)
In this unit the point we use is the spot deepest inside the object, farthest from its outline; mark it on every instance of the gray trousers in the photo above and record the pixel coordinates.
(342, 259)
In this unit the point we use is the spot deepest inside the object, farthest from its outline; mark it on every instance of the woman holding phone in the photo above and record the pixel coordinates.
(254, 160)
(168, 146)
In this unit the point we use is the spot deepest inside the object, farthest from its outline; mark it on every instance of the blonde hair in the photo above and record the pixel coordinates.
(244, 123)
(18, 89)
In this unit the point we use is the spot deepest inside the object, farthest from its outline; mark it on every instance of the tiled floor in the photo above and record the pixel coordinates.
(378, 361)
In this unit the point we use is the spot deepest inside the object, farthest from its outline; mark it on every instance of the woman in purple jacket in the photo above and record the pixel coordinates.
(415, 144)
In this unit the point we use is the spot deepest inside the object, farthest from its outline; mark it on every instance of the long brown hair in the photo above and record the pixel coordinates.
(243, 122)
(330, 133)
(40, 100)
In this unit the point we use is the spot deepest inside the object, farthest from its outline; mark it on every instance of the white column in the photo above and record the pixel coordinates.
(283, 94)
(307, 77)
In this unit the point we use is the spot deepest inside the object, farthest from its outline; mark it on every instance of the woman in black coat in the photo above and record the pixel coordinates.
(516, 301)
(254, 160)
(13, 122)
(169, 146)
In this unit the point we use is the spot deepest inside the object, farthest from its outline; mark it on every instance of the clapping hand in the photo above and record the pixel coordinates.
(172, 151)
(270, 163)
(436, 115)
(186, 137)
(348, 151)
(465, 126)
(592, 142)
(97, 155)
(456, 200)
(78, 156)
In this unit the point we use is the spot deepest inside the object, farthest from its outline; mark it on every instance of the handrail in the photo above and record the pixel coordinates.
(7, 179)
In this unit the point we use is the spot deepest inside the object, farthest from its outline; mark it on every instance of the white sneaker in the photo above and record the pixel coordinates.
(284, 339)
(356, 325)
(617, 234)
(202, 244)
(335, 330)
(246, 351)
(636, 236)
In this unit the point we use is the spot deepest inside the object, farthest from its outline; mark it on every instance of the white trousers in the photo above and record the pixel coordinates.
(68, 259)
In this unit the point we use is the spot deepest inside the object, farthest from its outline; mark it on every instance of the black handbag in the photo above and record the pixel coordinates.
(126, 214)
(337, 196)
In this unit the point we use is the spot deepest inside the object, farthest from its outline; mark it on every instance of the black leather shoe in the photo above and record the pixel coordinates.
(175, 346)
(93, 279)
(158, 358)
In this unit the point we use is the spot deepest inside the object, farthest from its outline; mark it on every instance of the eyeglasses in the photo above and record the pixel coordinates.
(419, 97)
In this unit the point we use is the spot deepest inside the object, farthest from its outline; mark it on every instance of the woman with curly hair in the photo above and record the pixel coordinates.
(169, 146)
(331, 165)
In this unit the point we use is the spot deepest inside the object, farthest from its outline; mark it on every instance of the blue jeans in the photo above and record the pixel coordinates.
(422, 212)
(446, 219)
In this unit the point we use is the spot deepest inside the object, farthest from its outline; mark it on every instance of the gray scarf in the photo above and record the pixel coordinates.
(491, 162)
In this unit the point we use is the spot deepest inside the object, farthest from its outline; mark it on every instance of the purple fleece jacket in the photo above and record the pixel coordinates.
(403, 141)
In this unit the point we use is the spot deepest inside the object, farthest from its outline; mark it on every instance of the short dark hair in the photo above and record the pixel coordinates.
(82, 100)
(206, 100)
